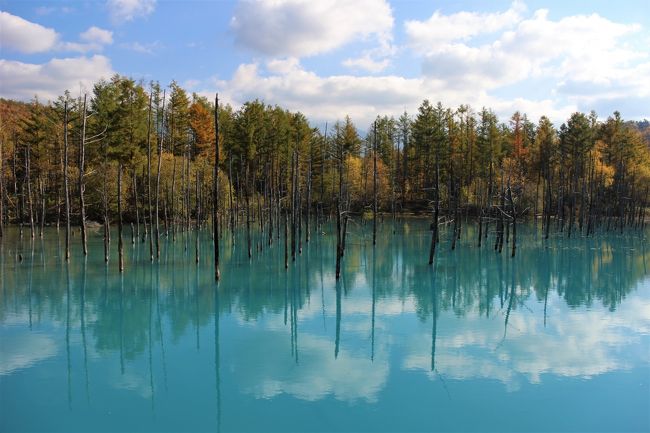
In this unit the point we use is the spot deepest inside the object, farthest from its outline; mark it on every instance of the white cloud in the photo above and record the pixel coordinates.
(328, 98)
(305, 28)
(373, 60)
(572, 53)
(325, 98)
(24, 350)
(49, 80)
(96, 35)
(18, 34)
(318, 374)
(580, 344)
(441, 29)
(128, 10)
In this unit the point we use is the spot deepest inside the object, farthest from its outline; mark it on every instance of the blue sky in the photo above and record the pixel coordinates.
(329, 58)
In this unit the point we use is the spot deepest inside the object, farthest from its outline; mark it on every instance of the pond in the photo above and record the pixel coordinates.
(555, 339)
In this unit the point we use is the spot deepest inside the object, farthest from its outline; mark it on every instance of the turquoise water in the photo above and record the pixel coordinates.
(556, 339)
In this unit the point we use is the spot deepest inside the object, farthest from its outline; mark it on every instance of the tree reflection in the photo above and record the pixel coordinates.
(153, 305)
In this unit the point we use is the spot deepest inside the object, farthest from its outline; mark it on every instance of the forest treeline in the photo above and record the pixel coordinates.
(141, 154)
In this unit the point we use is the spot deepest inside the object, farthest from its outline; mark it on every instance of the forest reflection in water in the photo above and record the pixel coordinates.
(164, 333)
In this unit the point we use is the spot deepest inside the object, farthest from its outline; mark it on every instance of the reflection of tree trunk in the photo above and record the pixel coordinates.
(29, 284)
(217, 361)
(82, 302)
(294, 322)
(196, 308)
(322, 285)
(434, 312)
(160, 328)
(150, 334)
(374, 301)
(122, 324)
(338, 319)
(511, 298)
(67, 335)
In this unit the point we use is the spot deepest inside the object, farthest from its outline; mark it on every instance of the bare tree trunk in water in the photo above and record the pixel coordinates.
(232, 214)
(137, 210)
(513, 213)
(198, 219)
(286, 238)
(160, 145)
(436, 212)
(339, 240)
(307, 226)
(29, 187)
(107, 233)
(374, 187)
(41, 183)
(120, 243)
(65, 181)
(149, 180)
(293, 205)
(82, 187)
(215, 191)
(248, 213)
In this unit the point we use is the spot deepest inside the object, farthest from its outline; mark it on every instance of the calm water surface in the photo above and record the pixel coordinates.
(557, 339)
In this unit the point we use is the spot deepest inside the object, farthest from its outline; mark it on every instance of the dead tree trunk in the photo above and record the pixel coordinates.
(107, 233)
(198, 219)
(339, 240)
(286, 238)
(149, 181)
(82, 187)
(374, 187)
(160, 146)
(307, 225)
(248, 213)
(436, 211)
(136, 208)
(232, 214)
(293, 206)
(66, 187)
(215, 190)
(120, 242)
(513, 216)
(41, 184)
(29, 187)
